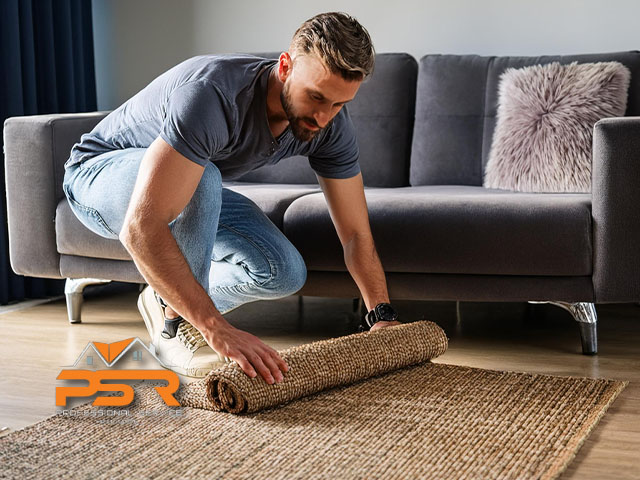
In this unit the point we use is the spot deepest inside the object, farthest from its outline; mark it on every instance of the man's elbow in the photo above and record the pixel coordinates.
(360, 236)
(126, 235)
(132, 231)
(139, 234)
(357, 241)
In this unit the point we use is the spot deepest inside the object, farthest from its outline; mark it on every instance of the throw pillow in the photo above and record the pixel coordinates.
(544, 129)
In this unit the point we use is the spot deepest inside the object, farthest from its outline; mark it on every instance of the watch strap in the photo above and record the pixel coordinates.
(371, 318)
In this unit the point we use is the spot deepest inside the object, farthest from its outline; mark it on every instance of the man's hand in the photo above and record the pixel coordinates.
(382, 324)
(248, 350)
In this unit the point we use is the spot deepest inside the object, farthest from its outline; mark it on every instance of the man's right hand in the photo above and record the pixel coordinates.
(157, 200)
(248, 350)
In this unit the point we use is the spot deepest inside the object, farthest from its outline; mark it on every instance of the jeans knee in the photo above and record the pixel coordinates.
(297, 271)
(290, 274)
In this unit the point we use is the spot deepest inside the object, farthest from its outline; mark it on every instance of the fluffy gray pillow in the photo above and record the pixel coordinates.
(546, 113)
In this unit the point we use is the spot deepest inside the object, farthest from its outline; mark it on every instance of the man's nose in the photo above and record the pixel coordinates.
(322, 118)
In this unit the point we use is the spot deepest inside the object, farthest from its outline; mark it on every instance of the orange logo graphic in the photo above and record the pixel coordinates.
(109, 354)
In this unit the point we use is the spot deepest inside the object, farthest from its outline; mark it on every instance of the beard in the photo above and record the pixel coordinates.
(299, 131)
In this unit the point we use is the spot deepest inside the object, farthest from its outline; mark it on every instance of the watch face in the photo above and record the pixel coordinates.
(386, 312)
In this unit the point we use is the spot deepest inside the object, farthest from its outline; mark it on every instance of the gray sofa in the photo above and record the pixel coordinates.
(424, 130)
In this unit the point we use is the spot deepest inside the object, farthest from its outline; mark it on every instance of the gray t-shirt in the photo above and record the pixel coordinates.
(213, 108)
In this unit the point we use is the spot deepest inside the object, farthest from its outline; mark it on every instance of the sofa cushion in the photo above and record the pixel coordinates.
(456, 108)
(73, 238)
(382, 114)
(456, 230)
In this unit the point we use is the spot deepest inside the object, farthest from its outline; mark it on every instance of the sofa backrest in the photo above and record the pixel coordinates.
(382, 114)
(456, 106)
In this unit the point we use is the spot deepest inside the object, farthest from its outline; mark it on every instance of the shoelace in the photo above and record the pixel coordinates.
(190, 337)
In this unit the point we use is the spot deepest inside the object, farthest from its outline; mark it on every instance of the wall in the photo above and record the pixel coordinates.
(136, 40)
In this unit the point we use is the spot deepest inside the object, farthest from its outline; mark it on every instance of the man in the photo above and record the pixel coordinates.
(150, 174)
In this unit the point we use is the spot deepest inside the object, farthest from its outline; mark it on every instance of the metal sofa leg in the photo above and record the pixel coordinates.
(73, 289)
(585, 314)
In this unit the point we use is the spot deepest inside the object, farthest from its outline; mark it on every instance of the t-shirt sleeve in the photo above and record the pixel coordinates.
(337, 153)
(196, 122)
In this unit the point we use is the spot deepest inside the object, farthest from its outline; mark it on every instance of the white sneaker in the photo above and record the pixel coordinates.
(177, 344)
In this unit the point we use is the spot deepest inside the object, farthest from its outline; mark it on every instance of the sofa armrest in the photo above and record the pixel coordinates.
(616, 210)
(35, 149)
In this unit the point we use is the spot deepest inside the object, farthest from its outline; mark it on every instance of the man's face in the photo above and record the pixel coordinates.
(312, 96)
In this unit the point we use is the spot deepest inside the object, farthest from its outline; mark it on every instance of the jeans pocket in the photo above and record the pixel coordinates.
(88, 216)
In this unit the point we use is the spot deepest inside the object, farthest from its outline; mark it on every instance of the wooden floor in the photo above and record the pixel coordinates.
(38, 341)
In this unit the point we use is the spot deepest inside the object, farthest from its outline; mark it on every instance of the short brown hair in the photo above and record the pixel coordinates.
(340, 41)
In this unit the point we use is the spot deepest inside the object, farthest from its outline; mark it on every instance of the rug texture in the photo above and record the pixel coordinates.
(425, 420)
(544, 126)
(318, 366)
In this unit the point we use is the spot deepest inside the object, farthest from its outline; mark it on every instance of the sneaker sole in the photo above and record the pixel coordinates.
(146, 315)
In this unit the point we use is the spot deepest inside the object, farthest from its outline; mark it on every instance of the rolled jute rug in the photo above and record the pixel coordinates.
(424, 420)
(318, 366)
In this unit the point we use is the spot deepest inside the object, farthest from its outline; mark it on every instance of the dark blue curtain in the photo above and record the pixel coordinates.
(46, 66)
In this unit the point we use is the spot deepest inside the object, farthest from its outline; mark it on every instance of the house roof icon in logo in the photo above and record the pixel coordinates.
(111, 353)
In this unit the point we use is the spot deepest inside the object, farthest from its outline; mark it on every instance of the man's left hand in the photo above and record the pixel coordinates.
(382, 324)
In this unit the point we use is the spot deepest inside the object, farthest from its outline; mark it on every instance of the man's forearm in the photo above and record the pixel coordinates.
(160, 261)
(363, 263)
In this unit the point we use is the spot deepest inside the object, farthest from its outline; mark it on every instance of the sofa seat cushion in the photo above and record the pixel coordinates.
(73, 238)
(457, 230)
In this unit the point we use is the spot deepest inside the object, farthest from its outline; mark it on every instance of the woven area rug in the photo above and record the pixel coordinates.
(426, 420)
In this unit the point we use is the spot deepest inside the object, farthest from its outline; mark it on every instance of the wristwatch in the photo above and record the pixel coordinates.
(383, 312)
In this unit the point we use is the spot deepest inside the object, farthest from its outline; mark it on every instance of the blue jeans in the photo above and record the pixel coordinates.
(234, 251)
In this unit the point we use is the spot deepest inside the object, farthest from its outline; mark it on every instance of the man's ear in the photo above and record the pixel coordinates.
(285, 66)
